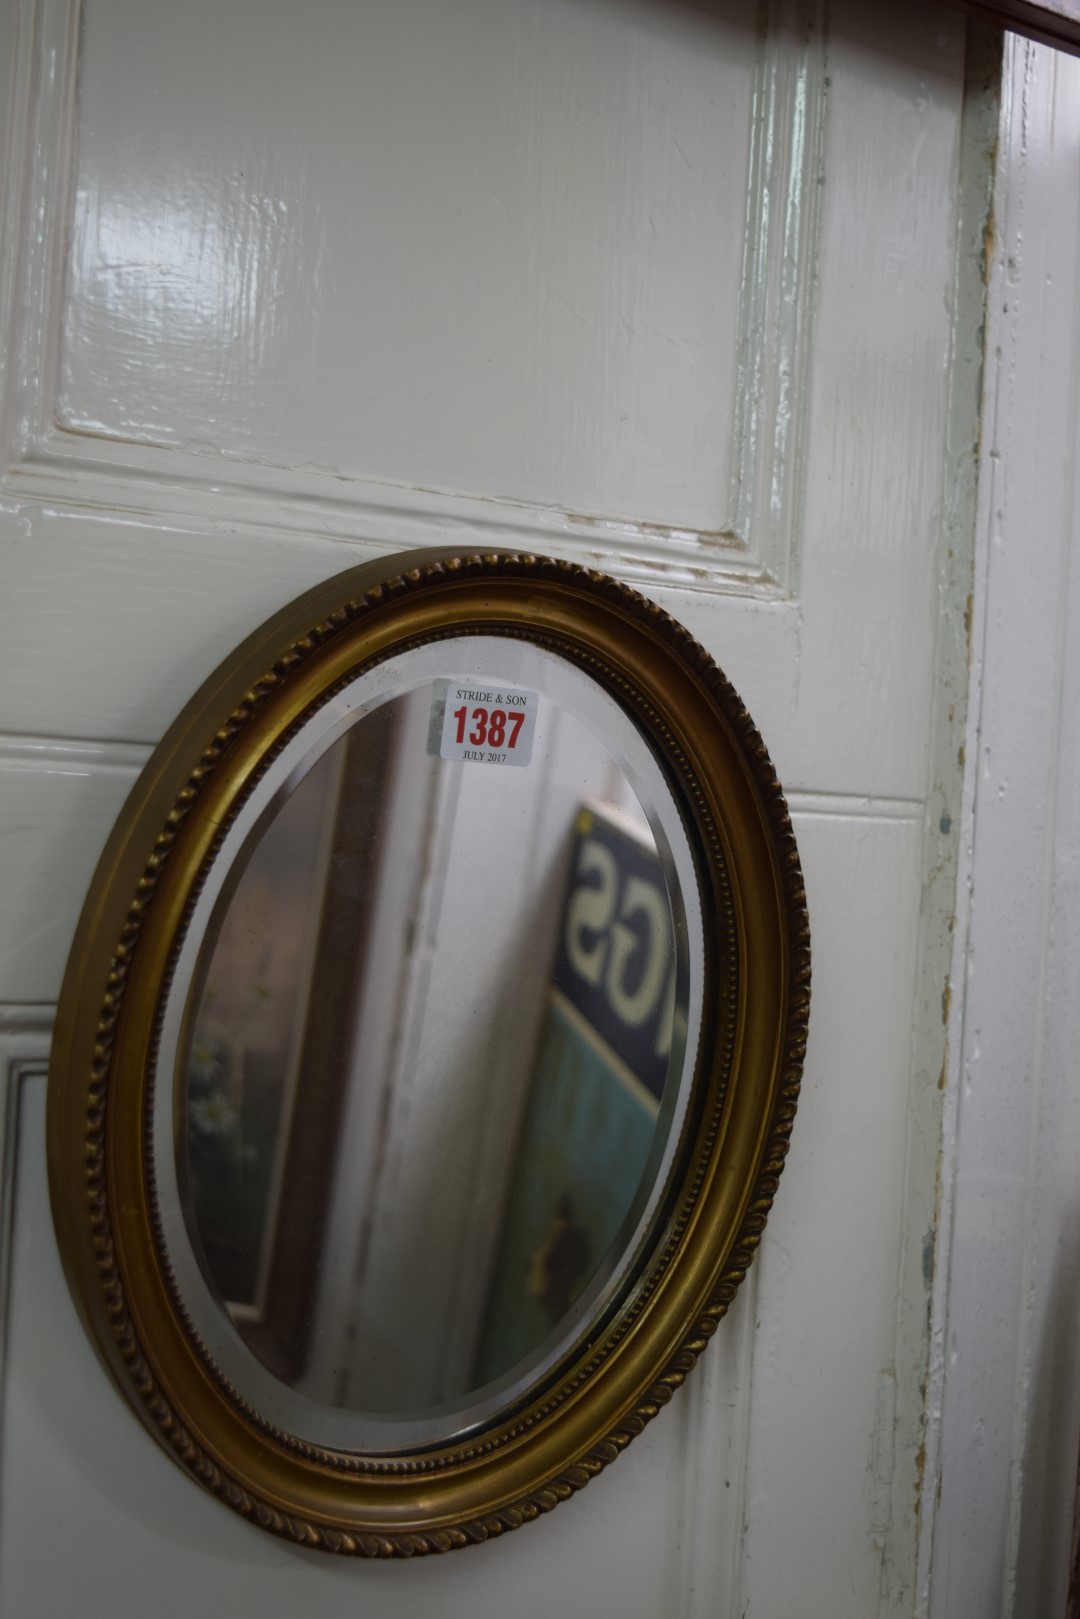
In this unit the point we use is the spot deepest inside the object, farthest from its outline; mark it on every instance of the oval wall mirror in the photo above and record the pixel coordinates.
(428, 1049)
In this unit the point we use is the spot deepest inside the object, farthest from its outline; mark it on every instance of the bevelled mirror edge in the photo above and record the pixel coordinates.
(559, 1435)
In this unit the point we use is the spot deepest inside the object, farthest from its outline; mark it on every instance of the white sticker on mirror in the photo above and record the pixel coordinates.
(482, 723)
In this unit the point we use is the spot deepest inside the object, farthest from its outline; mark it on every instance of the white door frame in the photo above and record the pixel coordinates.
(1004, 1388)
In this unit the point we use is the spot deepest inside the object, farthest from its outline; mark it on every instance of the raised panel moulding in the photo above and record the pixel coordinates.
(750, 548)
(25, 1033)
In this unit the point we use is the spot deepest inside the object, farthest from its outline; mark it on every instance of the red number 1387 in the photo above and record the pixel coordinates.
(489, 730)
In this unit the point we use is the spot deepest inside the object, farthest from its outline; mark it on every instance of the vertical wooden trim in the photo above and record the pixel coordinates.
(1005, 1327)
(907, 1428)
(24, 1054)
(1073, 1609)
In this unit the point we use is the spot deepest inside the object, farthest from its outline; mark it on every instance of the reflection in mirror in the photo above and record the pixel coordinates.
(423, 1090)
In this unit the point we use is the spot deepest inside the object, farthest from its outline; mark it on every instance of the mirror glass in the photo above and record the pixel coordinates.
(430, 1036)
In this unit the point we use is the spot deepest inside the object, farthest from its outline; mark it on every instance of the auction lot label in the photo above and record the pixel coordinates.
(483, 723)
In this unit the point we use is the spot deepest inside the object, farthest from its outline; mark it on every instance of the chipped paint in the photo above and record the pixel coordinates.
(928, 1264)
(989, 240)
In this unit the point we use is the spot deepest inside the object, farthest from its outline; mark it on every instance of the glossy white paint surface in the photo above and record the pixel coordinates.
(633, 282)
(531, 204)
(624, 215)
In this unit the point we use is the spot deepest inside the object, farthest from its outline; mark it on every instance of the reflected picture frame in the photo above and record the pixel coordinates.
(548, 1441)
(275, 1305)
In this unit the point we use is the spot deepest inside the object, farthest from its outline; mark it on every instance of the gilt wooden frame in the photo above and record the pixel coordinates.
(549, 1444)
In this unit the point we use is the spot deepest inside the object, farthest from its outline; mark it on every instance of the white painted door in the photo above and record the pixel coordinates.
(672, 289)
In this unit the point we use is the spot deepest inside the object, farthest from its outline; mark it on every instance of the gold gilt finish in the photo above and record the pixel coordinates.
(559, 1435)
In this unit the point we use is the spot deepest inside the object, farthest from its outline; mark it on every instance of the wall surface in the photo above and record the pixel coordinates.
(694, 298)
